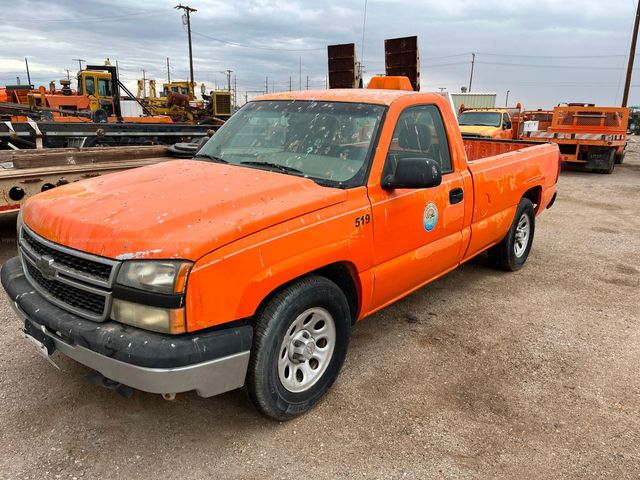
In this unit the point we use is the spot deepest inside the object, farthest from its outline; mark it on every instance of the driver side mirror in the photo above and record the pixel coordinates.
(414, 173)
(507, 125)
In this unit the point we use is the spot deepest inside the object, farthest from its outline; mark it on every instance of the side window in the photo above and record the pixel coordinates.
(91, 87)
(104, 87)
(419, 133)
(505, 121)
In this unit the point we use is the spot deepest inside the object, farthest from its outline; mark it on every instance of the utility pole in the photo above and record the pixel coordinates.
(632, 53)
(79, 60)
(144, 83)
(289, 82)
(473, 61)
(168, 72)
(307, 82)
(229, 79)
(300, 74)
(266, 84)
(506, 101)
(187, 14)
(68, 74)
(26, 62)
(235, 90)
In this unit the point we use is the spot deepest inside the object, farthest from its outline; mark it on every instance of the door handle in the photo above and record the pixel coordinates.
(456, 196)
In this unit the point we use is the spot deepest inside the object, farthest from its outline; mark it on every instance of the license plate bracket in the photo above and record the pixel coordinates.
(43, 344)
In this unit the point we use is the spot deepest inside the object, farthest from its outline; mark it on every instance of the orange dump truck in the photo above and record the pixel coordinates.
(588, 136)
(249, 265)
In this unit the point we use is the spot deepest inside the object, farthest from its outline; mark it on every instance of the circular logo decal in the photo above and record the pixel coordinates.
(430, 217)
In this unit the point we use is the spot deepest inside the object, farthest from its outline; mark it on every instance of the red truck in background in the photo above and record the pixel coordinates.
(249, 264)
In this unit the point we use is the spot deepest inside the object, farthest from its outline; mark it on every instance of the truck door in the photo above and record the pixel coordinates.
(417, 232)
(506, 126)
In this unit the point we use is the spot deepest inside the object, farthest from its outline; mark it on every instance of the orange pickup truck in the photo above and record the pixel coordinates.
(249, 264)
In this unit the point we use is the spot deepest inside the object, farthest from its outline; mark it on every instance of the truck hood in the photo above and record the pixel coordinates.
(177, 209)
(478, 130)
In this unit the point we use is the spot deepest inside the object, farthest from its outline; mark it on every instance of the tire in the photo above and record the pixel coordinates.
(511, 253)
(611, 163)
(286, 375)
(620, 158)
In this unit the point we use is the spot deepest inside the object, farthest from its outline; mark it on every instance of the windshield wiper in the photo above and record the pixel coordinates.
(272, 166)
(210, 157)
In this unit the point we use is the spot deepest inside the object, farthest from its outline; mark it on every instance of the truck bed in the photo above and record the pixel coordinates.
(500, 180)
(477, 148)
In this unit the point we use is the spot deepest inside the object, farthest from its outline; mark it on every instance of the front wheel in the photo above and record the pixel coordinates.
(511, 253)
(300, 342)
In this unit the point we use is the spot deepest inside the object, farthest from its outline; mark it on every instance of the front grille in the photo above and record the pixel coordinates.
(72, 262)
(75, 281)
(69, 295)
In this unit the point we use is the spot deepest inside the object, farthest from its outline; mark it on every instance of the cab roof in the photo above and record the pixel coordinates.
(355, 95)
(480, 109)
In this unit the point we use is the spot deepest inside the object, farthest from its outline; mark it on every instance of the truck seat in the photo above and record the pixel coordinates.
(414, 136)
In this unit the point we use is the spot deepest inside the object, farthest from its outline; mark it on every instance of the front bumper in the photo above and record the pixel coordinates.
(210, 362)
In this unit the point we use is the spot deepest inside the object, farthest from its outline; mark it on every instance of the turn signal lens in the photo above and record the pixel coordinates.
(163, 320)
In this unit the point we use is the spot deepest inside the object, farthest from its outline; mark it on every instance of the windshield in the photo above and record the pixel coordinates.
(328, 142)
(485, 119)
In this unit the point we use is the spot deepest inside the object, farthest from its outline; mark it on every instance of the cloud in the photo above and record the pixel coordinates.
(537, 50)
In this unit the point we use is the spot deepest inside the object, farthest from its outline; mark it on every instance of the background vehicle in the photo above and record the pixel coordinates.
(634, 120)
(25, 173)
(504, 123)
(250, 263)
(178, 101)
(588, 136)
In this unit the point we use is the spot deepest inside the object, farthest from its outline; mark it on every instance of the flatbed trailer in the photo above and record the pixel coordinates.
(31, 134)
(25, 173)
(588, 136)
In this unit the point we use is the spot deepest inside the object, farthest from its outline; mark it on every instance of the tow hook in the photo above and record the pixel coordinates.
(98, 379)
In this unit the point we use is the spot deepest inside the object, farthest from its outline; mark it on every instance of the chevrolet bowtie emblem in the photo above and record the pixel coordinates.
(45, 265)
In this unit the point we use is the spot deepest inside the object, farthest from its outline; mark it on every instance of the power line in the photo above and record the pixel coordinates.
(257, 47)
(98, 19)
(518, 55)
(576, 67)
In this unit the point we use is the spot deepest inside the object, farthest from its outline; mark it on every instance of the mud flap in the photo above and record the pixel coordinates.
(600, 159)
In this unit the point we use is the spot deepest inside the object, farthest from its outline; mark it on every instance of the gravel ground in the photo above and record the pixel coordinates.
(482, 374)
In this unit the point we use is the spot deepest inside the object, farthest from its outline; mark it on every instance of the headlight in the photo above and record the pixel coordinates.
(160, 276)
(164, 320)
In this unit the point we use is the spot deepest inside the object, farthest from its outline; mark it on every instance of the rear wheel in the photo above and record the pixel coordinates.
(611, 163)
(620, 158)
(512, 252)
(300, 342)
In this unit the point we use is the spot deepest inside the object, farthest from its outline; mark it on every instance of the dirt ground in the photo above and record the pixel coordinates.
(482, 374)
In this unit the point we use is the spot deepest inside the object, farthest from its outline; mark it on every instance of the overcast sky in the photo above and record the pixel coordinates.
(543, 51)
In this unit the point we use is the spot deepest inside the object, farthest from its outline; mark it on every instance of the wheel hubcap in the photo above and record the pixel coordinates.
(522, 235)
(306, 349)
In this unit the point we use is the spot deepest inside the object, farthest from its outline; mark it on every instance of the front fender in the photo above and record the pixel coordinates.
(231, 282)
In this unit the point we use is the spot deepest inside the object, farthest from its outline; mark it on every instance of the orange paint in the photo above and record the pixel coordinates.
(251, 231)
